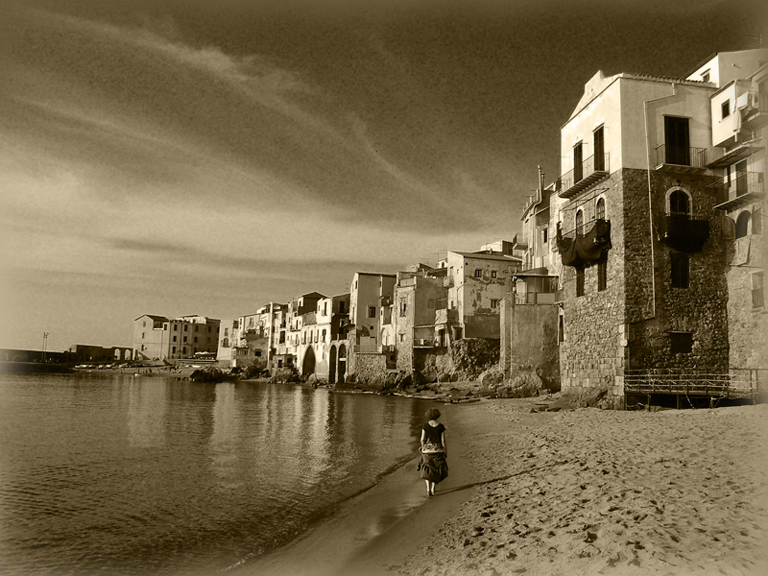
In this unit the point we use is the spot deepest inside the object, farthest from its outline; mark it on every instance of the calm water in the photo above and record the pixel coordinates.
(116, 474)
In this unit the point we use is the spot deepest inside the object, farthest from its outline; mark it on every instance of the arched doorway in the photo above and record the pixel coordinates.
(308, 366)
(342, 363)
(332, 365)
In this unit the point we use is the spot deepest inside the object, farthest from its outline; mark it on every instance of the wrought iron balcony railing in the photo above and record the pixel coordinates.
(680, 158)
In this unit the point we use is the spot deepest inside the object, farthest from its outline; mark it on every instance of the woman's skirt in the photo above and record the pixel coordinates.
(433, 466)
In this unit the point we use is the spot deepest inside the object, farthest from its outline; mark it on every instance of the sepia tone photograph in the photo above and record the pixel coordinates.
(383, 288)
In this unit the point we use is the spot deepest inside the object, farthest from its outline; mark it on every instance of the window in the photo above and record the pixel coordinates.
(679, 270)
(742, 224)
(681, 342)
(579, 282)
(494, 303)
(174, 338)
(173, 350)
(579, 222)
(679, 203)
(560, 330)
(144, 324)
(478, 273)
(403, 307)
(184, 339)
(195, 339)
(602, 273)
(165, 326)
(677, 147)
(725, 109)
(578, 159)
(142, 335)
(600, 209)
(371, 311)
(175, 327)
(599, 149)
(341, 307)
(185, 327)
(324, 334)
(544, 232)
(402, 337)
(325, 308)
(705, 76)
(493, 273)
(757, 290)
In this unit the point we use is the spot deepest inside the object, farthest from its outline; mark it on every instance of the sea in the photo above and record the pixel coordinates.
(124, 474)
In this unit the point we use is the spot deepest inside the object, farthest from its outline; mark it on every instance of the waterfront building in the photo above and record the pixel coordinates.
(477, 283)
(739, 113)
(367, 293)
(640, 241)
(160, 337)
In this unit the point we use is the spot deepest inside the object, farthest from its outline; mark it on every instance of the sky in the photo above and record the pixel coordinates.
(199, 157)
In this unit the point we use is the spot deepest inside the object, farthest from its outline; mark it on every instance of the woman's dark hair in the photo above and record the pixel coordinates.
(433, 414)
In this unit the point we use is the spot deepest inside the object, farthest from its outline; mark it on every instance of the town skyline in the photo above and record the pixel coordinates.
(168, 160)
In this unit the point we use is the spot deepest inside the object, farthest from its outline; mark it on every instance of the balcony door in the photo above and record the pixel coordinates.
(676, 141)
(578, 159)
(741, 178)
(599, 150)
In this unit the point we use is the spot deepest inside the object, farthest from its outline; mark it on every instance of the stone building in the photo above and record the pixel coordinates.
(160, 338)
(640, 243)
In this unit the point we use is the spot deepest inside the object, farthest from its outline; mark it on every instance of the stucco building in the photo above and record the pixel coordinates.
(160, 338)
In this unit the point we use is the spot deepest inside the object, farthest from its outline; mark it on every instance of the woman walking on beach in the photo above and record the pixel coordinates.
(434, 451)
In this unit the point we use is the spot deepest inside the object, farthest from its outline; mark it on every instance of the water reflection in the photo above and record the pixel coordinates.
(148, 476)
(146, 412)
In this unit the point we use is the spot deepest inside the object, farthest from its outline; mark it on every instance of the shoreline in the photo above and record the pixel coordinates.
(576, 492)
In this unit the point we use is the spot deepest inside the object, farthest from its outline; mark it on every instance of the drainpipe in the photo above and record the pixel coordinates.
(650, 192)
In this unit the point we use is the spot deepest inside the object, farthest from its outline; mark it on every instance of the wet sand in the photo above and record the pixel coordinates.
(580, 492)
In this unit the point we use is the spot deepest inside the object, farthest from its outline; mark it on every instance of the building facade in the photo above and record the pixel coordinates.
(640, 241)
(162, 338)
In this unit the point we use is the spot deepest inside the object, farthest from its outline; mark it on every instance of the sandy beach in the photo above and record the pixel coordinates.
(576, 492)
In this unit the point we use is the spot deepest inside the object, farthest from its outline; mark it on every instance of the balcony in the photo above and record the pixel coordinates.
(582, 176)
(683, 232)
(756, 112)
(744, 188)
(585, 245)
(719, 158)
(423, 343)
(681, 159)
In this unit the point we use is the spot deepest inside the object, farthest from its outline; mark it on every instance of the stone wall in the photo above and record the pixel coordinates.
(370, 368)
(592, 353)
(629, 323)
(699, 309)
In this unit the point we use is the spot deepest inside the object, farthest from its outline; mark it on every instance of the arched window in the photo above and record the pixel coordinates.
(742, 224)
(600, 209)
(679, 203)
(579, 222)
